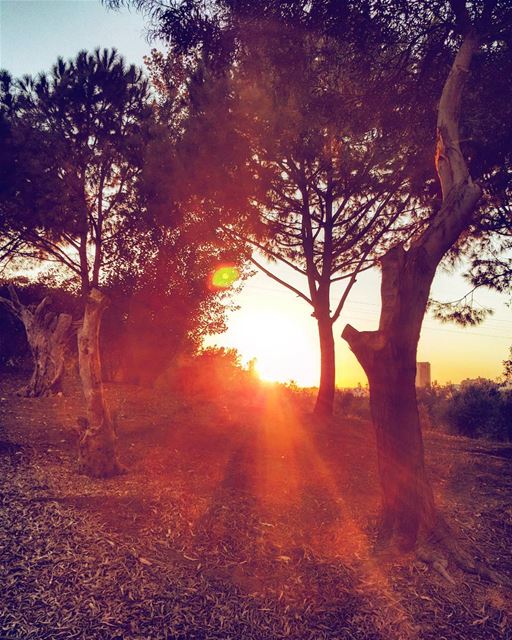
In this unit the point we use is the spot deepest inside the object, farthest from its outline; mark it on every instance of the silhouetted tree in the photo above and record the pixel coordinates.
(323, 169)
(388, 354)
(164, 302)
(75, 140)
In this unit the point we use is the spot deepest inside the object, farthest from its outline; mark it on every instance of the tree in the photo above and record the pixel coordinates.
(48, 335)
(485, 247)
(328, 187)
(507, 367)
(425, 36)
(75, 141)
(164, 302)
(388, 354)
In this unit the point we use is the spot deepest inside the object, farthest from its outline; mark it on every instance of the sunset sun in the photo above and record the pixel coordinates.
(284, 352)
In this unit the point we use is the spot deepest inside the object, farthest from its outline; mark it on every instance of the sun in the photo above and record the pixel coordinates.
(284, 351)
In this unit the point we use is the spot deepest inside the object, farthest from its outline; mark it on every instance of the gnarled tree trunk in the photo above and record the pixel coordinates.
(48, 336)
(97, 444)
(388, 355)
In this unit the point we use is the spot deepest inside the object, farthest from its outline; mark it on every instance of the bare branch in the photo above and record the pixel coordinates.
(272, 275)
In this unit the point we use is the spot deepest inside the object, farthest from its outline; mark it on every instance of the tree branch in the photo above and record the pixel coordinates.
(280, 280)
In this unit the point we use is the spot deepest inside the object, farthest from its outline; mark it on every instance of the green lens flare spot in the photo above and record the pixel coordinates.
(225, 276)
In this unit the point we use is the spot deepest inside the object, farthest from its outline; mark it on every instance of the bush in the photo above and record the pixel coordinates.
(480, 408)
(432, 405)
(343, 402)
(213, 374)
(352, 403)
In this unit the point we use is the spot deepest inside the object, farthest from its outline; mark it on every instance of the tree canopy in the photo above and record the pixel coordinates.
(74, 140)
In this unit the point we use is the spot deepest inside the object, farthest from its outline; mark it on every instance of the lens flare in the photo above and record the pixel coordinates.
(224, 276)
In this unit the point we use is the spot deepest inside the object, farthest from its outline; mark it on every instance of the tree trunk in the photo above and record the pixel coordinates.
(48, 338)
(325, 399)
(408, 503)
(388, 355)
(97, 445)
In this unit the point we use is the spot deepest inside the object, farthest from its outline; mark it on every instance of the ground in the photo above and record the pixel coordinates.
(238, 518)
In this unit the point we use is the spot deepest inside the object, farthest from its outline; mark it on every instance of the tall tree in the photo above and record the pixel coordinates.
(327, 187)
(76, 139)
(388, 355)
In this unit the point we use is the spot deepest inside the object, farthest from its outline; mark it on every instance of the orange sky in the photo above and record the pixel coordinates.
(276, 327)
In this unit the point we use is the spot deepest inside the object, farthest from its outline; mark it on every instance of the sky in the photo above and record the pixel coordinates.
(272, 324)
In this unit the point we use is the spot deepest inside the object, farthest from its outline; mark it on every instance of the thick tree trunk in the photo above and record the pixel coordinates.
(408, 503)
(48, 336)
(325, 398)
(408, 511)
(388, 355)
(97, 444)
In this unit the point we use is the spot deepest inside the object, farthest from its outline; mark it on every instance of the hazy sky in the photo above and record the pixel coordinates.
(272, 324)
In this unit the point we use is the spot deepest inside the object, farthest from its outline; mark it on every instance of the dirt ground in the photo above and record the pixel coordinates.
(237, 519)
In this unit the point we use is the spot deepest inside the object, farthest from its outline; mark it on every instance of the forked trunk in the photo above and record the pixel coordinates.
(48, 335)
(97, 445)
(325, 399)
(388, 355)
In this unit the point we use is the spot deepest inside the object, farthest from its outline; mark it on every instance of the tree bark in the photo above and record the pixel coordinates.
(48, 336)
(388, 355)
(97, 444)
(325, 398)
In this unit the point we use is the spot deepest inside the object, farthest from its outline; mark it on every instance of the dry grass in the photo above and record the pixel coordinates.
(235, 521)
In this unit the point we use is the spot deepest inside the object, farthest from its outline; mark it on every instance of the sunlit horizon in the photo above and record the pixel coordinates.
(277, 329)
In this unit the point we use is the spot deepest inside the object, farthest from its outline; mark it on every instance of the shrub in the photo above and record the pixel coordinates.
(479, 408)
(343, 402)
(432, 404)
(352, 403)
(213, 374)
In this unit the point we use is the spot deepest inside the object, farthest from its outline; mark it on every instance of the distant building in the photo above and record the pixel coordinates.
(423, 374)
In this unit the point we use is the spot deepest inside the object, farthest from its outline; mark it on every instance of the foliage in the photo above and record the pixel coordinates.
(164, 304)
(507, 368)
(74, 140)
(477, 409)
(290, 130)
(105, 212)
(462, 312)
(352, 403)
(432, 403)
(308, 117)
(214, 374)
(487, 141)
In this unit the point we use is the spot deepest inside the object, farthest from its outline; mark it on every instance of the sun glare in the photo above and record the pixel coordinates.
(284, 352)
(224, 276)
